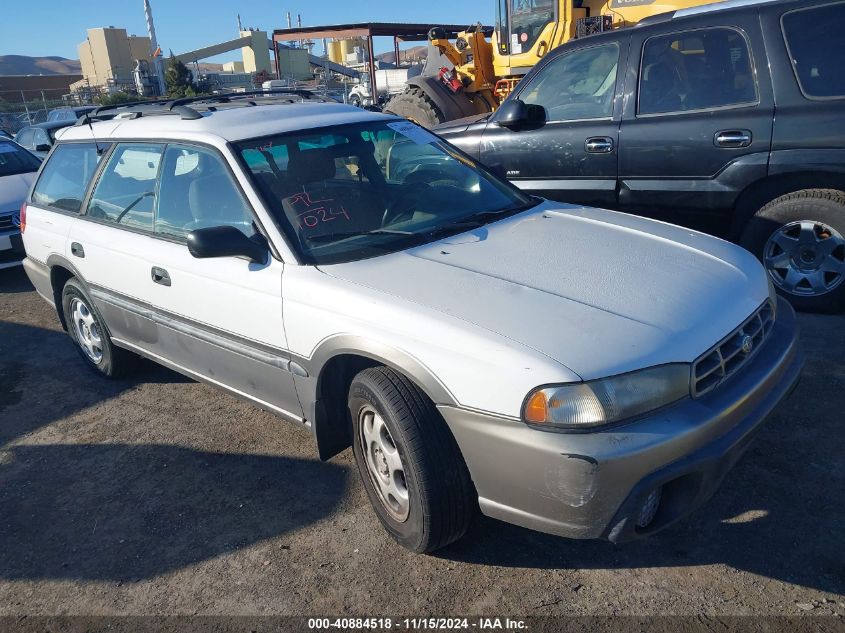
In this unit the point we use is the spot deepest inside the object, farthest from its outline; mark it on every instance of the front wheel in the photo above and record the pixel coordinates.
(410, 465)
(800, 238)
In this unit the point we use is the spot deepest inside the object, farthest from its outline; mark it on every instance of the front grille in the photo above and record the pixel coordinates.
(725, 359)
(6, 223)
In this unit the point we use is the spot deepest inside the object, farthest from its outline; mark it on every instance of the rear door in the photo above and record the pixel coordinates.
(697, 118)
(572, 156)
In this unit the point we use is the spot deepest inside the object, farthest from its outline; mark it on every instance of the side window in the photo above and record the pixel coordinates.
(41, 137)
(126, 191)
(696, 70)
(197, 191)
(24, 139)
(66, 176)
(816, 44)
(576, 85)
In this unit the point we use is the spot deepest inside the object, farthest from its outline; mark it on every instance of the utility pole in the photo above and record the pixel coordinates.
(155, 53)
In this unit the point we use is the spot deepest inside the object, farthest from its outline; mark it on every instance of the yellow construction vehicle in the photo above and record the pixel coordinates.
(474, 75)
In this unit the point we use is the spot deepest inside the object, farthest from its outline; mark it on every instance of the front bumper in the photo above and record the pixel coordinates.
(11, 249)
(592, 484)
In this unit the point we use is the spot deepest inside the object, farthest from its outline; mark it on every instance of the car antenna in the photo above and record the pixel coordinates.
(93, 137)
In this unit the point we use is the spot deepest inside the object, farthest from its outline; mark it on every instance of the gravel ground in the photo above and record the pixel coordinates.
(159, 495)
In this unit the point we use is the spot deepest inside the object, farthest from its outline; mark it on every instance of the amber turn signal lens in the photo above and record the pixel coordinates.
(536, 409)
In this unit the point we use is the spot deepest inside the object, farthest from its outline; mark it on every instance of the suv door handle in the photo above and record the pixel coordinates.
(160, 276)
(76, 249)
(732, 138)
(598, 145)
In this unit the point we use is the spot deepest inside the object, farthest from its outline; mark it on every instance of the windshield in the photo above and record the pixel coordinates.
(16, 160)
(355, 191)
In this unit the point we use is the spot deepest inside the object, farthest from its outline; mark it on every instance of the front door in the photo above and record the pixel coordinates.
(697, 120)
(572, 155)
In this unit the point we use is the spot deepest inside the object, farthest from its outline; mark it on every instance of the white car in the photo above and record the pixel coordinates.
(569, 369)
(17, 172)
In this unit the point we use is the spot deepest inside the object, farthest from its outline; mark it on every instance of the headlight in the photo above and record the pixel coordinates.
(590, 404)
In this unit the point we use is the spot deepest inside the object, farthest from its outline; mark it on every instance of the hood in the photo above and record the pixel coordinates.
(600, 292)
(14, 190)
(456, 126)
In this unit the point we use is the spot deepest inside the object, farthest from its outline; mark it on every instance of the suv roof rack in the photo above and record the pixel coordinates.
(180, 106)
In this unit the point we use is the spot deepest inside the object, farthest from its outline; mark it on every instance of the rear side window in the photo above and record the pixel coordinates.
(815, 39)
(126, 192)
(66, 176)
(695, 70)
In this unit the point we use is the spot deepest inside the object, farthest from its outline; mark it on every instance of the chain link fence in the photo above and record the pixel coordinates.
(19, 108)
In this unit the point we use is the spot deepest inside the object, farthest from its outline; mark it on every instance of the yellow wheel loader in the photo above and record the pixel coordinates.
(473, 75)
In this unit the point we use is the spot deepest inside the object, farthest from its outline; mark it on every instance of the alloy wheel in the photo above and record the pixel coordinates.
(87, 331)
(384, 464)
(805, 258)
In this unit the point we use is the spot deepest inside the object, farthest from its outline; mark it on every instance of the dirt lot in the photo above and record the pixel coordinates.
(159, 495)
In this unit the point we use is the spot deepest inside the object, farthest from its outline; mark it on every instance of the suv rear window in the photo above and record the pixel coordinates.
(696, 70)
(66, 176)
(816, 46)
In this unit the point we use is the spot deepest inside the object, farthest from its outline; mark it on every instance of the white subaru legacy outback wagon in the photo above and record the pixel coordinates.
(572, 370)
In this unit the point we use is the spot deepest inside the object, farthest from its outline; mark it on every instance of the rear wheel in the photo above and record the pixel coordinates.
(410, 465)
(87, 329)
(416, 105)
(800, 238)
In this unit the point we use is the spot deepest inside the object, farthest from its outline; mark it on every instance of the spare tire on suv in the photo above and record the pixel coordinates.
(800, 238)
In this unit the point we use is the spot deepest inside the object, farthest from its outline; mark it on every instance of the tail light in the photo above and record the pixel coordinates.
(23, 217)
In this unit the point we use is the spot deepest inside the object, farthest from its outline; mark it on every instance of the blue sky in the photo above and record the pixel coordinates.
(55, 27)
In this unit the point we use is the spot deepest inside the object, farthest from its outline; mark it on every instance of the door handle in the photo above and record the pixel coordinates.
(732, 138)
(76, 249)
(598, 145)
(160, 276)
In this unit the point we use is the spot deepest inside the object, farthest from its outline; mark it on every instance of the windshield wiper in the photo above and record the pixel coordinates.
(340, 235)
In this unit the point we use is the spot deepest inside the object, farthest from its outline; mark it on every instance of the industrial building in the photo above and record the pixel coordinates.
(109, 57)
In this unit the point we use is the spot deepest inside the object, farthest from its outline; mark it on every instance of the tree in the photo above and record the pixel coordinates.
(117, 98)
(178, 80)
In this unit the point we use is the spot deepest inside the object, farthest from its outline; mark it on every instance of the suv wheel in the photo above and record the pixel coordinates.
(411, 467)
(88, 330)
(800, 238)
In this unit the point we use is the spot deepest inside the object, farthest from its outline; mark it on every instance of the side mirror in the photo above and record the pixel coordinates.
(43, 147)
(226, 241)
(515, 113)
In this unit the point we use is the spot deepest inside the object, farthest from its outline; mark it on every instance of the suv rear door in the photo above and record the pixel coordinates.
(571, 157)
(697, 119)
(216, 319)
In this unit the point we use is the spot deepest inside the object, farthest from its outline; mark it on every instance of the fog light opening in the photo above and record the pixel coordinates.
(649, 508)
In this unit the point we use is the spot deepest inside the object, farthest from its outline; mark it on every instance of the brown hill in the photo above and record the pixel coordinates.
(24, 65)
(413, 53)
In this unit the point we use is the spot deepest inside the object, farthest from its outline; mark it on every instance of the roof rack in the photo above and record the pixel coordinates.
(181, 105)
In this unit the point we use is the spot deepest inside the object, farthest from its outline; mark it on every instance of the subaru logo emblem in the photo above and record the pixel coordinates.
(747, 344)
(16, 219)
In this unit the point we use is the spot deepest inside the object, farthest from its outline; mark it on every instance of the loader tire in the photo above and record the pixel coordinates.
(416, 105)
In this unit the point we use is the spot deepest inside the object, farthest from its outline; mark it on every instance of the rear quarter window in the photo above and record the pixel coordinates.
(816, 44)
(66, 176)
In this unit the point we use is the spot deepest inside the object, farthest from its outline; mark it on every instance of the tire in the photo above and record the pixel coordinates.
(416, 105)
(397, 428)
(355, 100)
(90, 335)
(800, 238)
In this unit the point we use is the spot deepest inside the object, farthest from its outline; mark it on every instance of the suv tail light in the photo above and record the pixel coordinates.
(23, 217)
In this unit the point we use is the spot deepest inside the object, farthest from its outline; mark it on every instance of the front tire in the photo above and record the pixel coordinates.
(416, 105)
(800, 238)
(90, 335)
(410, 465)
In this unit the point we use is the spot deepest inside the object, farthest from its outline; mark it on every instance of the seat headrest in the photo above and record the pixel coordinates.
(311, 165)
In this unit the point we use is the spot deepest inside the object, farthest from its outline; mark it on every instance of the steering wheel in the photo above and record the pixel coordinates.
(402, 208)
